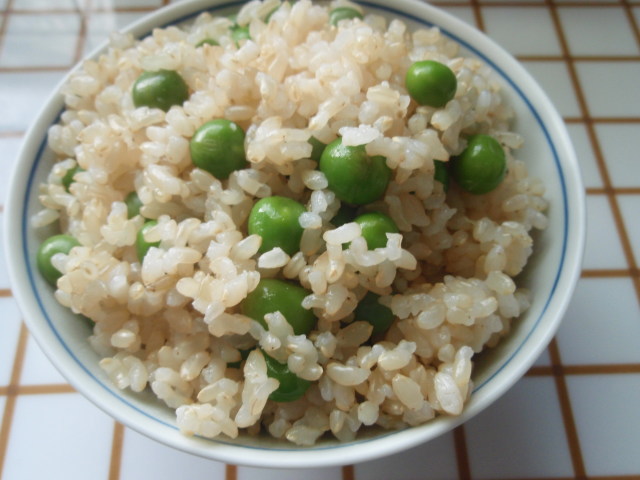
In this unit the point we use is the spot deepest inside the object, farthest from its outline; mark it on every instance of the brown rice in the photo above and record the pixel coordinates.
(171, 324)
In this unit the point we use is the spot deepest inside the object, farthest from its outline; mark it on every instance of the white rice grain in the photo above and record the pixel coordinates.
(346, 375)
(274, 258)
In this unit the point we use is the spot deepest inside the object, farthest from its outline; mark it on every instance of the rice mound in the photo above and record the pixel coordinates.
(171, 324)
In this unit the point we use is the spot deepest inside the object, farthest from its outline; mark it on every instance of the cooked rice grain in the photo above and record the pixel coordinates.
(171, 323)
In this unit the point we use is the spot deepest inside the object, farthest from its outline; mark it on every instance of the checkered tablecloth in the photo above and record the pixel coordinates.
(575, 414)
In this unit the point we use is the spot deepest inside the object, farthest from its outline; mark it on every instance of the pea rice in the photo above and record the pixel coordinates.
(171, 324)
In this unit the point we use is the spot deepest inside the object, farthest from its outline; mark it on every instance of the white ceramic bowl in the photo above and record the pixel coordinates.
(551, 274)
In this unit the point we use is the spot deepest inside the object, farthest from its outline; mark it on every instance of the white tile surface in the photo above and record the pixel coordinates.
(584, 152)
(73, 440)
(113, 4)
(620, 144)
(606, 411)
(102, 24)
(544, 360)
(554, 79)
(463, 13)
(601, 332)
(9, 147)
(4, 274)
(46, 4)
(580, 24)
(433, 460)
(522, 31)
(522, 434)
(50, 40)
(9, 334)
(247, 473)
(610, 88)
(629, 207)
(50, 439)
(603, 249)
(167, 464)
(23, 96)
(37, 368)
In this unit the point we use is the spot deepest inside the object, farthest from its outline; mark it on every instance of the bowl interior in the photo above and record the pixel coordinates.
(551, 274)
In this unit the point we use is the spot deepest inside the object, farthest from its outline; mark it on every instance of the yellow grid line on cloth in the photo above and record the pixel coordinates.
(117, 445)
(559, 371)
(231, 472)
(462, 454)
(570, 428)
(4, 22)
(348, 472)
(11, 394)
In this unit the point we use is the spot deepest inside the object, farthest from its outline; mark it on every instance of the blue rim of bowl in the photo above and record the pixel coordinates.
(390, 10)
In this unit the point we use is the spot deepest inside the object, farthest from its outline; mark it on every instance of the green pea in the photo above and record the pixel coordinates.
(354, 176)
(238, 34)
(272, 295)
(371, 310)
(218, 147)
(291, 387)
(343, 13)
(68, 178)
(431, 83)
(161, 89)
(142, 245)
(133, 203)
(345, 214)
(317, 147)
(441, 174)
(481, 166)
(275, 219)
(375, 226)
(207, 41)
(61, 243)
(86, 320)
